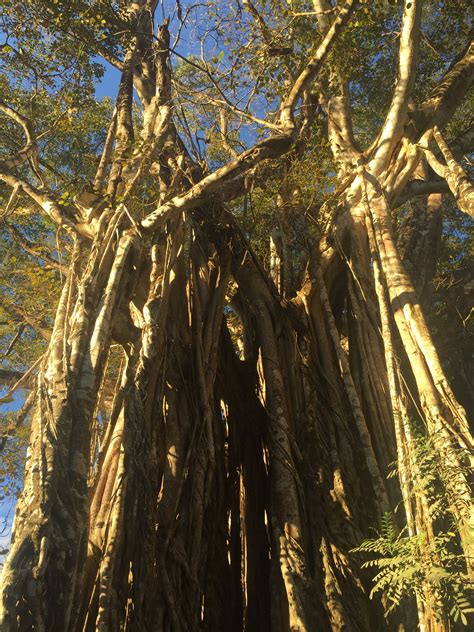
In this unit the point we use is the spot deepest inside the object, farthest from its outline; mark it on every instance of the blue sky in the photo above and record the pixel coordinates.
(108, 85)
(7, 506)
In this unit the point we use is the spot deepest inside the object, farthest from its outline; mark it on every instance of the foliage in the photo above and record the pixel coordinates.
(229, 65)
(430, 568)
(13, 457)
(403, 570)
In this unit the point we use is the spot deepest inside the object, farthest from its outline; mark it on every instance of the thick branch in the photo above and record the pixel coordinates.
(457, 179)
(145, 70)
(20, 119)
(448, 94)
(340, 129)
(124, 130)
(272, 147)
(106, 153)
(314, 66)
(156, 121)
(420, 188)
(394, 125)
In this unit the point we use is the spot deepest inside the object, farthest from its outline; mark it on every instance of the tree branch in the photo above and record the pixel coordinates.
(47, 203)
(420, 188)
(313, 66)
(145, 67)
(22, 381)
(457, 179)
(19, 418)
(337, 107)
(124, 129)
(106, 153)
(264, 30)
(30, 248)
(448, 94)
(272, 147)
(208, 100)
(29, 150)
(464, 143)
(394, 125)
(23, 317)
(14, 340)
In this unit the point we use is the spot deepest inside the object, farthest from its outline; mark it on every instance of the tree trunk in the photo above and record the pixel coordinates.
(238, 466)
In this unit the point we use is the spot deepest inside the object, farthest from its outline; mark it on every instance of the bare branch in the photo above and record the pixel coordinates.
(464, 143)
(106, 153)
(207, 99)
(14, 340)
(20, 415)
(22, 316)
(9, 376)
(21, 381)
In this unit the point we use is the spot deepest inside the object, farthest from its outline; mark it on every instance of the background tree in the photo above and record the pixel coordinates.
(235, 268)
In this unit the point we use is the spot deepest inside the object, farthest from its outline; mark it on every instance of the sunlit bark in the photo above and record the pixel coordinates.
(237, 467)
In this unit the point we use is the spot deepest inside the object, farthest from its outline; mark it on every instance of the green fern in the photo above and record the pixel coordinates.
(402, 568)
(401, 573)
